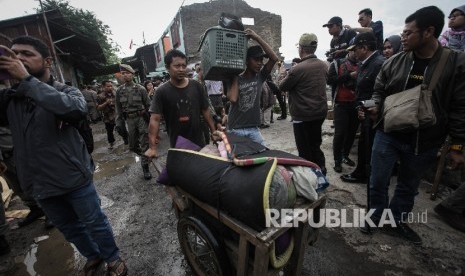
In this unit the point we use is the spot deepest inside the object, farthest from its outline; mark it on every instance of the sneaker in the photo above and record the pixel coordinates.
(4, 246)
(281, 117)
(346, 160)
(48, 223)
(365, 229)
(337, 168)
(455, 220)
(404, 231)
(33, 215)
(117, 268)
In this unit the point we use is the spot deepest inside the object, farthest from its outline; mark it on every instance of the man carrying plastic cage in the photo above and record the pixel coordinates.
(244, 93)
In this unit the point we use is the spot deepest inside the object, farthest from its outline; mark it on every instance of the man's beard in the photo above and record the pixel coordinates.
(37, 74)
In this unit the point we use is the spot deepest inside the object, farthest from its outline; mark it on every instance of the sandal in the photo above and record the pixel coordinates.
(91, 267)
(117, 268)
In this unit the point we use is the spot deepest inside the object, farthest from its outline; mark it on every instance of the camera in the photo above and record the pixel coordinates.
(366, 104)
(329, 54)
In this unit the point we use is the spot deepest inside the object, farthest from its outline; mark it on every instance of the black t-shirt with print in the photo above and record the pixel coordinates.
(181, 108)
(417, 73)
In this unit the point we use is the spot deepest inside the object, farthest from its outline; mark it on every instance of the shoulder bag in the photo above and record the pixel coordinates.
(413, 108)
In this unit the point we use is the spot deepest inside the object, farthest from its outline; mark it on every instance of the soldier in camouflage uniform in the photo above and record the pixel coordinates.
(106, 104)
(132, 104)
(90, 95)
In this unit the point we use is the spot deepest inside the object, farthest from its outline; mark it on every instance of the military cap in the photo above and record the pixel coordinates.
(126, 67)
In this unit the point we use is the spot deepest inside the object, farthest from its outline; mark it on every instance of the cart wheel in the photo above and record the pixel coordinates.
(201, 248)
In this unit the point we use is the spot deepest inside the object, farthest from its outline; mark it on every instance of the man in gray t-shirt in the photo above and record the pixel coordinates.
(245, 91)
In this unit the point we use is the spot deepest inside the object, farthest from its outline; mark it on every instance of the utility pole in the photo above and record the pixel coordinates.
(54, 54)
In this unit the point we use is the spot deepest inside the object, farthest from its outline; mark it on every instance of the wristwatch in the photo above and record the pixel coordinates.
(456, 147)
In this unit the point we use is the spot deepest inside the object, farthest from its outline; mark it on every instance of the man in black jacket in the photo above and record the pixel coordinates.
(50, 155)
(417, 148)
(370, 62)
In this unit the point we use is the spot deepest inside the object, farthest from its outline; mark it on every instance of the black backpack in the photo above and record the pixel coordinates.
(85, 130)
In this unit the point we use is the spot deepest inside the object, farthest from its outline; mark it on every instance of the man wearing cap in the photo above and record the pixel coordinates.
(132, 104)
(370, 62)
(340, 40)
(244, 94)
(365, 18)
(306, 85)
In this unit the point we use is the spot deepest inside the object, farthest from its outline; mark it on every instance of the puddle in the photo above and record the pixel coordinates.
(50, 256)
(113, 167)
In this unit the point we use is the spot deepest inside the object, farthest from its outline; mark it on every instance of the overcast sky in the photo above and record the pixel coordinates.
(129, 19)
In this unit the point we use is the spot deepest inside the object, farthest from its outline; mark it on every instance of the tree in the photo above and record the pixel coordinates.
(86, 23)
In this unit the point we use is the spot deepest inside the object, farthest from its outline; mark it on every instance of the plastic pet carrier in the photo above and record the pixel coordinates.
(223, 52)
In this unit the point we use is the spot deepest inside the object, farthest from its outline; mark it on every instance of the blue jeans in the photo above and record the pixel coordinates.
(79, 217)
(251, 132)
(386, 151)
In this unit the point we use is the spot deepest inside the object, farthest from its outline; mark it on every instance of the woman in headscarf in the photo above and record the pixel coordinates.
(392, 46)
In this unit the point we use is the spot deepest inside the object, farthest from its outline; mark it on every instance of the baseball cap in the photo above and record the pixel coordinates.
(308, 40)
(351, 44)
(334, 20)
(126, 67)
(255, 52)
(362, 39)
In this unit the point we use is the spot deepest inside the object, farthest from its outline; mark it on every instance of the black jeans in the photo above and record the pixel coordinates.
(308, 141)
(110, 127)
(365, 145)
(345, 127)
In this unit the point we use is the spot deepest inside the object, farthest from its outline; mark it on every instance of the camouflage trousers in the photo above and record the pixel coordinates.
(138, 137)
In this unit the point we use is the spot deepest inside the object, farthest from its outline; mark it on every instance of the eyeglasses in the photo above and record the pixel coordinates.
(455, 15)
(408, 33)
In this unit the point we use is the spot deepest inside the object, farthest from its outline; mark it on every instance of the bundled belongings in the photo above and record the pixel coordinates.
(242, 185)
(250, 181)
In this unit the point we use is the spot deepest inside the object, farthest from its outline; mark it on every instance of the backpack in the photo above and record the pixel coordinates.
(84, 129)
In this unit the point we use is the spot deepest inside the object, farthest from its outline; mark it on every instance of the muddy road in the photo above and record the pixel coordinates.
(144, 224)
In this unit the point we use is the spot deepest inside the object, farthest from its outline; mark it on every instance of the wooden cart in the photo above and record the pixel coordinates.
(247, 255)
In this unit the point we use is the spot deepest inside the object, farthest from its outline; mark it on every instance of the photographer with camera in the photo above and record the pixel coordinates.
(370, 62)
(340, 40)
